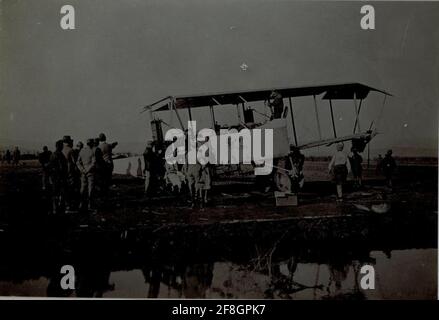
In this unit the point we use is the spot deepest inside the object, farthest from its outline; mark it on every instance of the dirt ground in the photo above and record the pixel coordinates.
(22, 200)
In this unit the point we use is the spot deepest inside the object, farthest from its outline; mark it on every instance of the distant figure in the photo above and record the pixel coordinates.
(8, 157)
(339, 167)
(77, 175)
(67, 151)
(58, 177)
(86, 164)
(277, 105)
(356, 165)
(99, 166)
(379, 164)
(16, 156)
(108, 166)
(388, 166)
(44, 159)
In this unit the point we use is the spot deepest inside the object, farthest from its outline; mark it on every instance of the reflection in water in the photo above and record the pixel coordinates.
(93, 283)
(297, 274)
(406, 274)
(190, 281)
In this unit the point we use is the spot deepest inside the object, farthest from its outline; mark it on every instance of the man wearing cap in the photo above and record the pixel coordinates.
(86, 165)
(107, 157)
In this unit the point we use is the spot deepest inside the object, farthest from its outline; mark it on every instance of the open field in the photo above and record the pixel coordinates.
(233, 248)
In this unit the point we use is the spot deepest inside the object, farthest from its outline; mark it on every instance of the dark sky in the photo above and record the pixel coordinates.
(126, 54)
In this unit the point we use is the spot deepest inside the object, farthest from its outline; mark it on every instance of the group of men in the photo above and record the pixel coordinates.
(287, 174)
(75, 175)
(11, 157)
(159, 174)
(341, 165)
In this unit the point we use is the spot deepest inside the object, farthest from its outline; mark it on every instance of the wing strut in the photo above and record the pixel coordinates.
(332, 117)
(178, 115)
(357, 115)
(317, 118)
(292, 121)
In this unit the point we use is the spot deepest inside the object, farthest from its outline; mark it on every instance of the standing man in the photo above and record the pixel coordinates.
(67, 151)
(98, 167)
(356, 165)
(388, 165)
(44, 158)
(192, 173)
(294, 165)
(339, 167)
(277, 105)
(58, 177)
(379, 163)
(78, 149)
(8, 156)
(107, 157)
(16, 156)
(77, 175)
(86, 165)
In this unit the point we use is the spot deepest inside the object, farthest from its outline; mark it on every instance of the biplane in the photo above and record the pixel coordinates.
(242, 99)
(243, 102)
